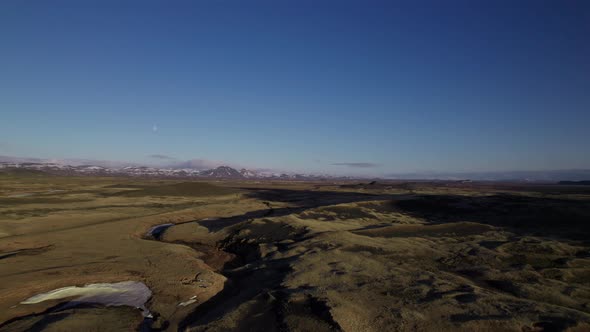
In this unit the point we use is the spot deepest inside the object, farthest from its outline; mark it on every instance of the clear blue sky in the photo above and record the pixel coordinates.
(300, 85)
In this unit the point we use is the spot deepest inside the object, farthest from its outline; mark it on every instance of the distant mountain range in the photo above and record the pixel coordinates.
(98, 167)
(520, 176)
(221, 172)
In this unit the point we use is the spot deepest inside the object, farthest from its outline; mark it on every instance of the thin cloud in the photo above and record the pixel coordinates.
(161, 157)
(356, 165)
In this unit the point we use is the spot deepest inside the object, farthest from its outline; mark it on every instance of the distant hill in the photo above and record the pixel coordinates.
(517, 176)
(222, 172)
(576, 183)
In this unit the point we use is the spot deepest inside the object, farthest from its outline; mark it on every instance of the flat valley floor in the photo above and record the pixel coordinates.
(295, 256)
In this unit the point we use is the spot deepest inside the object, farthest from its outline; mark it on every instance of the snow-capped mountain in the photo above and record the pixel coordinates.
(221, 172)
(249, 173)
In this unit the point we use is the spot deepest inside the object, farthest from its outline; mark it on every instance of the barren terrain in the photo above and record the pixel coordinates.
(295, 256)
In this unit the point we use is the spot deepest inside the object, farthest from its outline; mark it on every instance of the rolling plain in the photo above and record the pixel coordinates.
(248, 255)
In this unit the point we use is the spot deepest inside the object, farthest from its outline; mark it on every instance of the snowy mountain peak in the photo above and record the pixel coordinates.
(248, 173)
(222, 172)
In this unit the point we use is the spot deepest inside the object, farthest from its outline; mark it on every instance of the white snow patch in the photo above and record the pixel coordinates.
(192, 300)
(126, 293)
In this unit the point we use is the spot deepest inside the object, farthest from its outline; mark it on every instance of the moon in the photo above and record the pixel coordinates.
(155, 128)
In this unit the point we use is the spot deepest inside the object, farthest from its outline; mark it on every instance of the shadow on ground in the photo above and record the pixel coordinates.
(522, 214)
(300, 200)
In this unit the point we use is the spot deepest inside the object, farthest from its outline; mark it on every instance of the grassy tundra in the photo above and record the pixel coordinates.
(296, 256)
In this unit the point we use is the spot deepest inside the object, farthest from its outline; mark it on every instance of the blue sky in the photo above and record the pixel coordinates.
(300, 85)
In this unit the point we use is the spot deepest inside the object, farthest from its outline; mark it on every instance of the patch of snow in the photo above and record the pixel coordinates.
(125, 293)
(190, 301)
